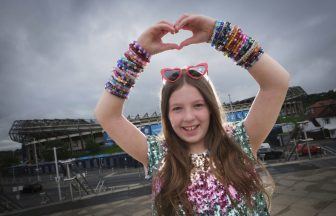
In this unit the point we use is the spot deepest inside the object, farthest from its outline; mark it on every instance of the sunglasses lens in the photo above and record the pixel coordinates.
(197, 71)
(171, 75)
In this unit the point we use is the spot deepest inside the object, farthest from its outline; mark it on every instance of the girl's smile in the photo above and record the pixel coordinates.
(189, 116)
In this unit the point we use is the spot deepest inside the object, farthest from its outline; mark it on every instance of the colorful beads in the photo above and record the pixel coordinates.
(235, 44)
(142, 53)
(127, 70)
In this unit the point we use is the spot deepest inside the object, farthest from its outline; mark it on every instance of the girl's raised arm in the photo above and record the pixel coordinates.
(109, 109)
(273, 82)
(272, 78)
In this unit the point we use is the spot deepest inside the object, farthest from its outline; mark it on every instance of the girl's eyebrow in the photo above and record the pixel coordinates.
(199, 100)
(195, 101)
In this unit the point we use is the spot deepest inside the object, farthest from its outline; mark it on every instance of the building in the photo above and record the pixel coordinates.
(40, 135)
(323, 115)
(292, 106)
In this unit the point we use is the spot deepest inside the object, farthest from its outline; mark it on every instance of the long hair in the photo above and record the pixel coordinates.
(233, 167)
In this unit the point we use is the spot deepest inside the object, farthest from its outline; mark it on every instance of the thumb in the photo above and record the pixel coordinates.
(187, 42)
(169, 46)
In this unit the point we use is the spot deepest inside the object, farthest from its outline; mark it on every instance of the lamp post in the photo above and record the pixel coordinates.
(303, 126)
(57, 175)
(230, 103)
(36, 162)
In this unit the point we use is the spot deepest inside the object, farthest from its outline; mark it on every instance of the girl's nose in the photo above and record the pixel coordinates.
(189, 115)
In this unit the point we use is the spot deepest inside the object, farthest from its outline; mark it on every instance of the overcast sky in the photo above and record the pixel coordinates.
(55, 56)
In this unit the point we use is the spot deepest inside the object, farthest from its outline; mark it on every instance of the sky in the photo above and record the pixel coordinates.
(55, 56)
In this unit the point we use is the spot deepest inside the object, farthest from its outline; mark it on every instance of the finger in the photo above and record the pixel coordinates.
(188, 41)
(180, 19)
(165, 27)
(170, 24)
(183, 23)
(169, 46)
(166, 22)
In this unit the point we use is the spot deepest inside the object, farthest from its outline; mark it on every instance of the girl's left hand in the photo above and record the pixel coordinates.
(201, 27)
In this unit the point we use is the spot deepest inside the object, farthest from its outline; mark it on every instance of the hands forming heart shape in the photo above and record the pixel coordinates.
(200, 26)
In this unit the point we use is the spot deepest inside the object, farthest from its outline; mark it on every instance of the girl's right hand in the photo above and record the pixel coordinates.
(201, 27)
(151, 39)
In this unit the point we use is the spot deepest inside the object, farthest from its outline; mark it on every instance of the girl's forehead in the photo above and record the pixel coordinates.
(186, 94)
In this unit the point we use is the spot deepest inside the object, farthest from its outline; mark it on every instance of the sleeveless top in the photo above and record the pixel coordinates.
(206, 194)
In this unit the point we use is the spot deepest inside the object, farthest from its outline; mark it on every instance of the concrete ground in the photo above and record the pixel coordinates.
(303, 188)
(299, 193)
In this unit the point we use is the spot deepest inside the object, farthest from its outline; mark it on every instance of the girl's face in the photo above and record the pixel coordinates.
(189, 116)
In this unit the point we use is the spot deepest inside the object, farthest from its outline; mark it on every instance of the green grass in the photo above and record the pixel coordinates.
(109, 150)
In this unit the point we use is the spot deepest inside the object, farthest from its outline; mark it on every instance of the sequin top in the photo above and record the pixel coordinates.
(206, 194)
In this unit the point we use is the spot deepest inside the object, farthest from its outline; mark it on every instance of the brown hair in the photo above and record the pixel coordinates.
(225, 154)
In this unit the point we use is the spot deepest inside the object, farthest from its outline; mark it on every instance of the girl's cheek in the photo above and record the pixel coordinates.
(175, 119)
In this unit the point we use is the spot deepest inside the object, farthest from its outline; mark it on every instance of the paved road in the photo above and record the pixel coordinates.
(114, 180)
(132, 197)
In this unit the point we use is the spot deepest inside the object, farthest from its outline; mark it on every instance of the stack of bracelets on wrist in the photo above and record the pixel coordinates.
(127, 70)
(235, 44)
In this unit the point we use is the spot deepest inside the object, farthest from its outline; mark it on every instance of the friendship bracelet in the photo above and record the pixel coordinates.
(114, 81)
(244, 57)
(223, 36)
(144, 55)
(218, 33)
(130, 65)
(116, 86)
(235, 44)
(245, 48)
(217, 25)
(136, 56)
(123, 78)
(111, 89)
(127, 71)
(132, 58)
(140, 55)
(140, 50)
(240, 45)
(231, 37)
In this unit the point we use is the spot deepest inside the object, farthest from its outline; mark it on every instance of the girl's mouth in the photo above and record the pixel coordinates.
(191, 128)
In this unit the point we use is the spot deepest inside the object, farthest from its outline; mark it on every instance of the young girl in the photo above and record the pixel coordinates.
(201, 165)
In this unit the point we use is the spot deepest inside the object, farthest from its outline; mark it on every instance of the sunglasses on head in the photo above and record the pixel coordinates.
(195, 72)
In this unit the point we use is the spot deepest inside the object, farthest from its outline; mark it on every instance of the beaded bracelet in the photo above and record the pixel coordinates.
(129, 75)
(111, 89)
(216, 30)
(221, 40)
(127, 71)
(235, 44)
(137, 57)
(126, 64)
(132, 59)
(139, 51)
(123, 77)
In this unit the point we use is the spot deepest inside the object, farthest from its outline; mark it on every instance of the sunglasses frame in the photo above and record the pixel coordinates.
(186, 69)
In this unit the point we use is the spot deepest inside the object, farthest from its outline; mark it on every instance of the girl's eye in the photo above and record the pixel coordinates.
(199, 105)
(176, 108)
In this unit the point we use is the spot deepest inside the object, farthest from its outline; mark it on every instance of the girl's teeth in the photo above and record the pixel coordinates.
(190, 128)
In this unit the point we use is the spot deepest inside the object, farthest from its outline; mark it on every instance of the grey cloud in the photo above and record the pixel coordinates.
(56, 55)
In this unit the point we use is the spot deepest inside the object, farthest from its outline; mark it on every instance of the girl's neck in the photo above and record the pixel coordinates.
(199, 152)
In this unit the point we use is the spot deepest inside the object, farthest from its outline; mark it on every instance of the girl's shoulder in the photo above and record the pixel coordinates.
(156, 144)
(237, 131)
(157, 148)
